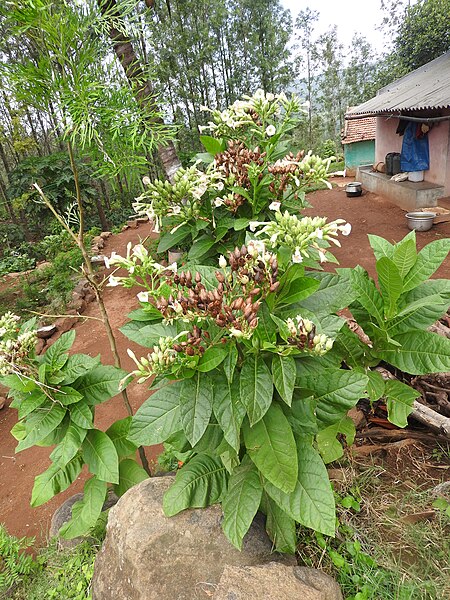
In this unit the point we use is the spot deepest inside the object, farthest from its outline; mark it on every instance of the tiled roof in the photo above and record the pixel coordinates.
(425, 88)
(359, 130)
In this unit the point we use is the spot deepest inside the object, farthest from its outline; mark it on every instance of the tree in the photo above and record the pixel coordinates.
(360, 73)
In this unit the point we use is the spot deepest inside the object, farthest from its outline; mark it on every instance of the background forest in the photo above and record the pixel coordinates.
(113, 88)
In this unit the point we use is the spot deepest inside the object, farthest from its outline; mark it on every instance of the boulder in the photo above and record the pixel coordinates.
(105, 235)
(148, 556)
(274, 581)
(2, 402)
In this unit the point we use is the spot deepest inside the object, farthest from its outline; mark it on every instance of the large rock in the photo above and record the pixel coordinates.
(147, 556)
(275, 581)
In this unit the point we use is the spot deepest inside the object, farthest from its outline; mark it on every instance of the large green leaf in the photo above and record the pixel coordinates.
(158, 418)
(390, 282)
(196, 401)
(405, 256)
(267, 329)
(333, 294)
(420, 352)
(381, 247)
(77, 365)
(271, 446)
(40, 424)
(241, 501)
(367, 294)
(212, 358)
(67, 395)
(100, 384)
(297, 290)
(230, 361)
(280, 528)
(399, 399)
(171, 240)
(329, 447)
(284, 374)
(86, 512)
(375, 385)
(130, 474)
(81, 415)
(212, 145)
(199, 483)
(69, 445)
(147, 335)
(337, 391)
(118, 433)
(312, 501)
(228, 409)
(256, 388)
(354, 352)
(101, 456)
(56, 355)
(428, 260)
(200, 247)
(54, 480)
(31, 402)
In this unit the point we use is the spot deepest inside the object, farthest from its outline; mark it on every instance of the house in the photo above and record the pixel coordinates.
(358, 139)
(420, 102)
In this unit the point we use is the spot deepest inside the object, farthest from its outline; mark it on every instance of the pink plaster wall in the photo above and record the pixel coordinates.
(439, 139)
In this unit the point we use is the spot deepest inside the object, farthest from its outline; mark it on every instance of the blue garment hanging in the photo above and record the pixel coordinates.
(415, 154)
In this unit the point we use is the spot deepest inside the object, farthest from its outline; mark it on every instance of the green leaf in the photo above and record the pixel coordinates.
(171, 240)
(67, 395)
(405, 256)
(18, 383)
(375, 386)
(40, 424)
(240, 224)
(101, 456)
(81, 415)
(212, 145)
(118, 433)
(297, 290)
(271, 446)
(329, 447)
(229, 363)
(200, 247)
(367, 294)
(280, 528)
(312, 501)
(77, 365)
(420, 352)
(391, 284)
(31, 402)
(55, 356)
(428, 260)
(422, 306)
(256, 388)
(130, 474)
(381, 247)
(284, 374)
(57, 478)
(158, 418)
(19, 431)
(86, 512)
(337, 391)
(147, 335)
(333, 294)
(241, 502)
(266, 329)
(399, 399)
(196, 399)
(69, 445)
(212, 358)
(228, 409)
(354, 352)
(100, 384)
(147, 314)
(199, 483)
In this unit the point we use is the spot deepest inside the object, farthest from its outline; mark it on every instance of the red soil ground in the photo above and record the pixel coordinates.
(367, 214)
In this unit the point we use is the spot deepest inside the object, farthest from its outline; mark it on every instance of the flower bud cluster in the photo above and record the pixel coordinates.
(15, 348)
(302, 234)
(142, 269)
(160, 360)
(304, 337)
(314, 169)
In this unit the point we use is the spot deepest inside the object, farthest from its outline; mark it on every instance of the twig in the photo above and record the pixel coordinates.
(77, 316)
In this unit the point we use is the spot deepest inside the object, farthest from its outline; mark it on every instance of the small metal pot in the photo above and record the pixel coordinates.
(420, 221)
(353, 189)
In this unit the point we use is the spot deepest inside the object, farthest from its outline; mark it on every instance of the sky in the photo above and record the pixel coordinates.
(350, 16)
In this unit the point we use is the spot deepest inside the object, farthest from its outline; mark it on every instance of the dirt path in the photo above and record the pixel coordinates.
(367, 214)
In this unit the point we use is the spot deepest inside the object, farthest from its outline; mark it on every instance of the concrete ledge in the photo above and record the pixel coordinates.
(405, 194)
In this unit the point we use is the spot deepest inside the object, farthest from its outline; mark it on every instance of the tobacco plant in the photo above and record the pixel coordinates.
(55, 395)
(248, 171)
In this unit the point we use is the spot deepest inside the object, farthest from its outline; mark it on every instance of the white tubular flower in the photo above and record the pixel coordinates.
(114, 281)
(202, 128)
(270, 97)
(256, 248)
(176, 210)
(218, 202)
(319, 233)
(173, 267)
(254, 224)
(297, 257)
(142, 296)
(270, 130)
(146, 180)
(237, 333)
(322, 256)
(106, 261)
(219, 186)
(140, 252)
(275, 206)
(345, 229)
(222, 262)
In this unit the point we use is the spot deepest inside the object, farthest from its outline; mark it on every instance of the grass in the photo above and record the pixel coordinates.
(380, 553)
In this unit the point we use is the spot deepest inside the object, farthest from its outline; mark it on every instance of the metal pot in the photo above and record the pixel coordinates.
(420, 221)
(353, 189)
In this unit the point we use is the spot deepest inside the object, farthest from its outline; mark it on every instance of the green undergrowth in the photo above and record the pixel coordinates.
(379, 552)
